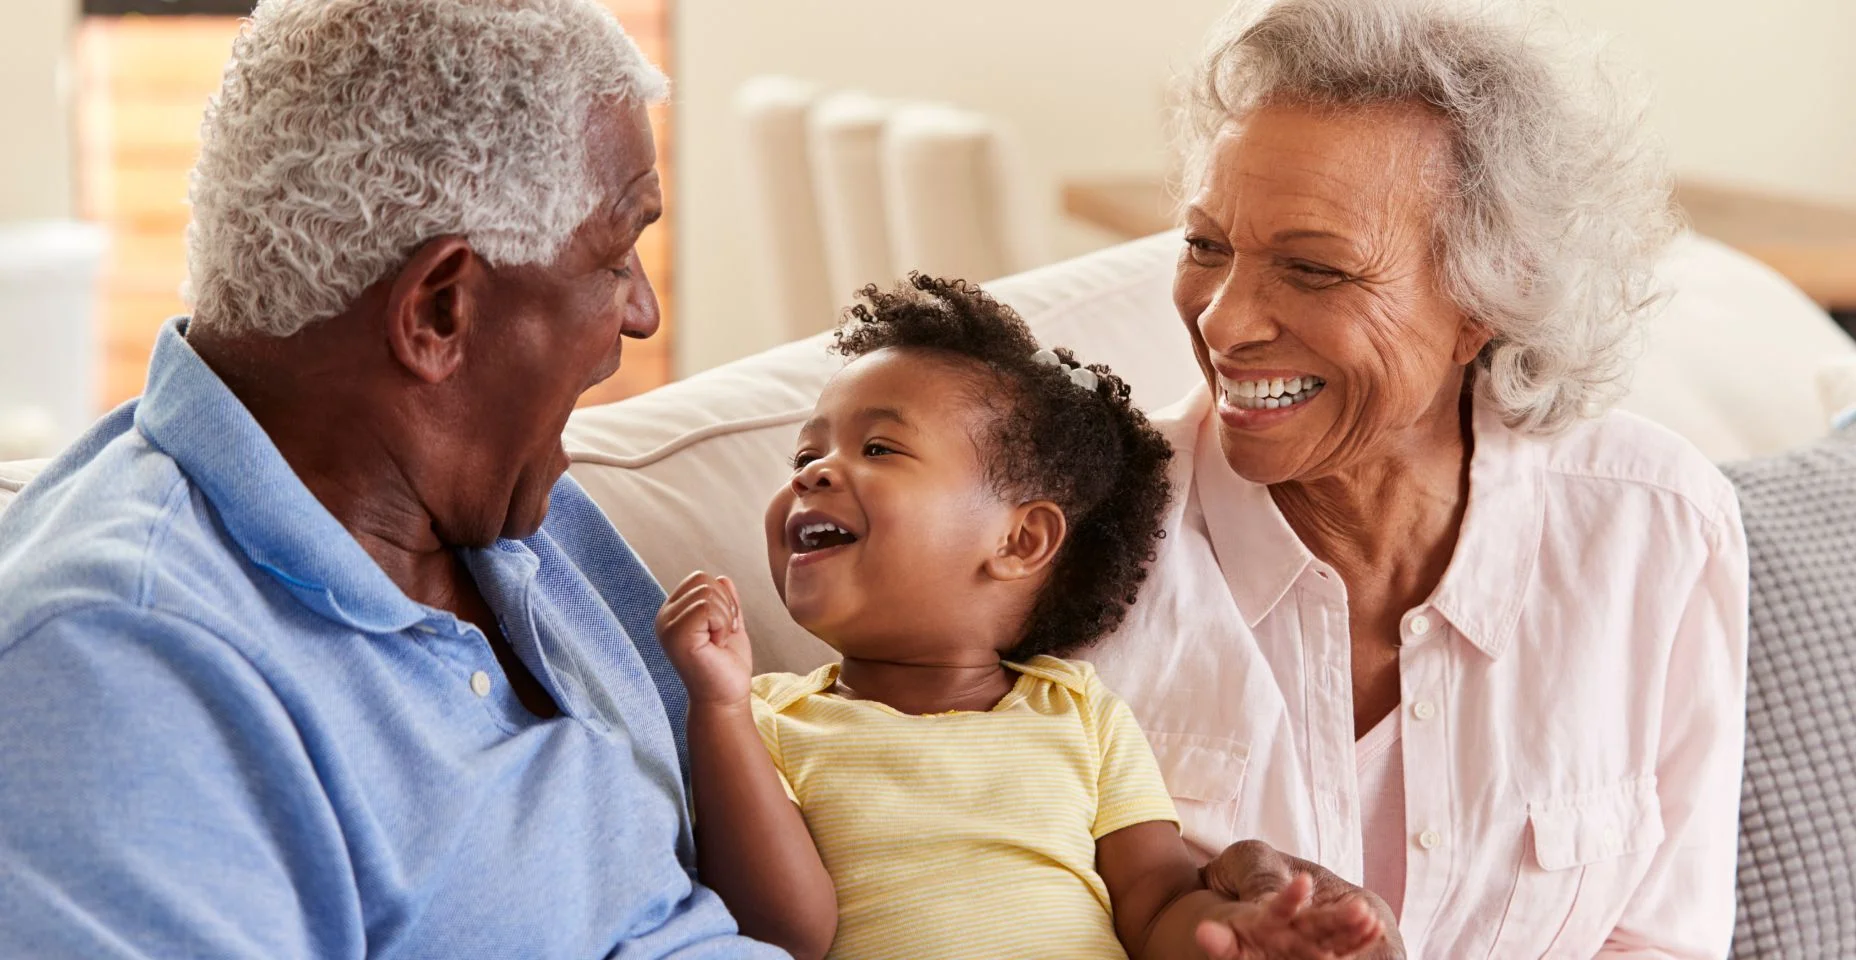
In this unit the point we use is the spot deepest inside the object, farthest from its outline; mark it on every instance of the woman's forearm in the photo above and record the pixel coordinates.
(752, 846)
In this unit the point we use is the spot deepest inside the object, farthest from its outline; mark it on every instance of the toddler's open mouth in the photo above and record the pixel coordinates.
(812, 532)
(822, 536)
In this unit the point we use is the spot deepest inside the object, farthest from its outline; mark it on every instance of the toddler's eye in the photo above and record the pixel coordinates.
(876, 450)
(802, 458)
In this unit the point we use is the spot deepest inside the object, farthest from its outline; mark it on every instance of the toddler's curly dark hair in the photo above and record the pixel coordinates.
(1091, 452)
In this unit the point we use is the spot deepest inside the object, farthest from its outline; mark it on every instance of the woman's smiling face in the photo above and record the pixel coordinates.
(1310, 286)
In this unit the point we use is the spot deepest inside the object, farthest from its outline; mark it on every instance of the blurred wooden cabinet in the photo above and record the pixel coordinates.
(143, 82)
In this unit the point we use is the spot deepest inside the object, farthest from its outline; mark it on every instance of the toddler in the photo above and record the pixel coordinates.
(964, 509)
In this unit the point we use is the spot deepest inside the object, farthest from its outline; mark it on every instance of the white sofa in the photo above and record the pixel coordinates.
(685, 471)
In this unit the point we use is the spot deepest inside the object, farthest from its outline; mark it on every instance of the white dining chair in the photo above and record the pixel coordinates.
(847, 169)
(958, 200)
(783, 211)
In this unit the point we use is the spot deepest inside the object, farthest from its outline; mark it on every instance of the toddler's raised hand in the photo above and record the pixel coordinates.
(1285, 927)
(701, 630)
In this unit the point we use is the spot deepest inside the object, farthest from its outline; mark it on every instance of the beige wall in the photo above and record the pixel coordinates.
(1759, 93)
(35, 113)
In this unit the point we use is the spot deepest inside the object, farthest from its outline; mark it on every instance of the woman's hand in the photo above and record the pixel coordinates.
(1285, 925)
(1255, 872)
(701, 631)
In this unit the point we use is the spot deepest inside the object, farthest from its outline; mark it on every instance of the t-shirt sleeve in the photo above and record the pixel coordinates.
(767, 722)
(1129, 788)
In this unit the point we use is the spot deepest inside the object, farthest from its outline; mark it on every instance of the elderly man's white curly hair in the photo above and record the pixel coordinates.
(1558, 204)
(347, 132)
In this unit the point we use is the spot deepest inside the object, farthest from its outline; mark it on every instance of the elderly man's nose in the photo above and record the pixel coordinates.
(641, 313)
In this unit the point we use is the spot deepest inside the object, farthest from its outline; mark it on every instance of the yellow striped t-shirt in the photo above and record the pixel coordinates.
(971, 835)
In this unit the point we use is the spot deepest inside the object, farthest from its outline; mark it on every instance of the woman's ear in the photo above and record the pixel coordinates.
(431, 305)
(1031, 542)
(1471, 337)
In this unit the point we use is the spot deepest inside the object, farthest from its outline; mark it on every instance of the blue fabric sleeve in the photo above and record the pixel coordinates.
(156, 801)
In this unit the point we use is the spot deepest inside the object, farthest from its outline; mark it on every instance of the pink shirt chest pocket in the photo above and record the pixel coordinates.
(1581, 858)
(1205, 775)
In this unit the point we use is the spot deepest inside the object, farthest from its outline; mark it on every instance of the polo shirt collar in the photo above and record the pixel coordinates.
(1483, 587)
(189, 414)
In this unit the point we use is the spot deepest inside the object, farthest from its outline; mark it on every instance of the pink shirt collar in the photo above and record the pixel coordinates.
(1497, 547)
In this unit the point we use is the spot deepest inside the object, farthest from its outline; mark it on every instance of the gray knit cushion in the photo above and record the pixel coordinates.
(1798, 807)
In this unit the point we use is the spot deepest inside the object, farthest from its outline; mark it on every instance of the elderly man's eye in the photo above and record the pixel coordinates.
(623, 273)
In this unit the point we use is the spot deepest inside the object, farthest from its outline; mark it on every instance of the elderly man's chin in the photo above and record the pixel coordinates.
(528, 506)
(515, 509)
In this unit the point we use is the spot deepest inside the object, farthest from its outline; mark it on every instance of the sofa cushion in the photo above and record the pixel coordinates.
(1732, 359)
(1798, 840)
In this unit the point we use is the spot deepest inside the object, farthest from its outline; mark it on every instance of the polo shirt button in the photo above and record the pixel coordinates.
(1424, 709)
(1420, 625)
(1430, 839)
(480, 683)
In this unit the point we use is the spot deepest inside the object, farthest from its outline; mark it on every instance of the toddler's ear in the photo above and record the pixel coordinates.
(1031, 542)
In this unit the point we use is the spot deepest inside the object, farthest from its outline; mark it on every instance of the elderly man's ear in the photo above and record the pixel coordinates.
(432, 305)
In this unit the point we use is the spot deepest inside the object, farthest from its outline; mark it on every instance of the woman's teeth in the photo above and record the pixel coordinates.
(1272, 394)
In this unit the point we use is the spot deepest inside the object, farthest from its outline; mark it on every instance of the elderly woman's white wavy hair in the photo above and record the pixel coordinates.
(347, 132)
(1559, 202)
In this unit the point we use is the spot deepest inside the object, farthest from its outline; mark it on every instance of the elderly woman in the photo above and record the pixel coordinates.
(311, 651)
(1427, 615)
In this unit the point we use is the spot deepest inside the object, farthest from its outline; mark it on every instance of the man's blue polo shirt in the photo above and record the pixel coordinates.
(225, 733)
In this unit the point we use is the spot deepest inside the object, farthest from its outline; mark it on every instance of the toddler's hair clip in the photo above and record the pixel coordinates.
(1080, 375)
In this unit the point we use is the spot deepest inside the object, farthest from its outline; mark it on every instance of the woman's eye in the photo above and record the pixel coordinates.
(876, 450)
(1203, 251)
(1311, 275)
(801, 459)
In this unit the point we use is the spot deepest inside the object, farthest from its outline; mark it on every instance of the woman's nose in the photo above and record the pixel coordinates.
(1237, 315)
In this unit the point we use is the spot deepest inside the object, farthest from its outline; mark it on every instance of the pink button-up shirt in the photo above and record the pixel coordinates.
(1573, 692)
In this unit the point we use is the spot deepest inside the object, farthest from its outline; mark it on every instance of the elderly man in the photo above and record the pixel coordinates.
(313, 651)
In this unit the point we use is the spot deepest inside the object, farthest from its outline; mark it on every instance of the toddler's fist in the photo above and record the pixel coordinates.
(701, 630)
